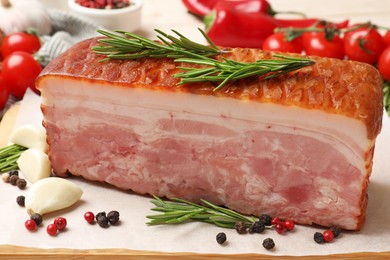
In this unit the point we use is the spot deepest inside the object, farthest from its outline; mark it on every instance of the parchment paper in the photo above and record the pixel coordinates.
(134, 234)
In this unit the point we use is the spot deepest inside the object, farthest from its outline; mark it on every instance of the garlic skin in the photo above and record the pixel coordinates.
(34, 165)
(19, 15)
(30, 136)
(51, 194)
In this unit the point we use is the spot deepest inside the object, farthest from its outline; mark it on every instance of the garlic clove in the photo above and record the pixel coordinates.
(34, 164)
(30, 136)
(51, 194)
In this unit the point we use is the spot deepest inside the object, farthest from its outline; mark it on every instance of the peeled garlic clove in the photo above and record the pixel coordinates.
(34, 164)
(30, 136)
(51, 194)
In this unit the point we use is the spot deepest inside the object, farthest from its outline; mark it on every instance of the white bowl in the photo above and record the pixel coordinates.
(126, 19)
(56, 4)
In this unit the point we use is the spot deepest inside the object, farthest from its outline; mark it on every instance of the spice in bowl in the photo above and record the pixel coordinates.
(122, 15)
(104, 4)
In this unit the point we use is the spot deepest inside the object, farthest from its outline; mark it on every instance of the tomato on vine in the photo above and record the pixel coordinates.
(19, 72)
(364, 44)
(316, 43)
(20, 41)
(386, 38)
(278, 42)
(384, 64)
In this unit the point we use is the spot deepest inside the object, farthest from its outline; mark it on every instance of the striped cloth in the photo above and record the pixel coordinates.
(67, 29)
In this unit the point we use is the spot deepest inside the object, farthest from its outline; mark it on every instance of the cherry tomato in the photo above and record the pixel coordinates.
(364, 44)
(20, 41)
(4, 93)
(384, 63)
(277, 42)
(315, 43)
(20, 70)
(386, 38)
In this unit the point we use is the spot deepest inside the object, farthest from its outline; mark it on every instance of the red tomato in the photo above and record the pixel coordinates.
(4, 93)
(384, 64)
(364, 44)
(386, 38)
(315, 43)
(277, 42)
(20, 41)
(20, 70)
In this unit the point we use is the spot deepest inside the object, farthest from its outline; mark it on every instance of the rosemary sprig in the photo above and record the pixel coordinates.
(178, 211)
(8, 157)
(230, 70)
(126, 45)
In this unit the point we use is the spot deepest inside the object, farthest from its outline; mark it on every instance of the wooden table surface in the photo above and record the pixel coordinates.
(171, 14)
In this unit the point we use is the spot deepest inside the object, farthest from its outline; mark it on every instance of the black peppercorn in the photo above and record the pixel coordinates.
(221, 238)
(21, 183)
(113, 217)
(37, 218)
(257, 227)
(336, 231)
(240, 227)
(20, 200)
(102, 219)
(268, 243)
(319, 238)
(103, 213)
(265, 219)
(13, 179)
(11, 173)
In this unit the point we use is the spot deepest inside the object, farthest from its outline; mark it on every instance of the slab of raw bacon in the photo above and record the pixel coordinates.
(299, 146)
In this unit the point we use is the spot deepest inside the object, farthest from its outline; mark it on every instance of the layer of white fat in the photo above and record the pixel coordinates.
(347, 135)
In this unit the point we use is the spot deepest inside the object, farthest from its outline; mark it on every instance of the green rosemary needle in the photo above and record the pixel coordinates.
(178, 211)
(8, 157)
(126, 45)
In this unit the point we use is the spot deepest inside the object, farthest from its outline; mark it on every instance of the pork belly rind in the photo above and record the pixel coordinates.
(299, 146)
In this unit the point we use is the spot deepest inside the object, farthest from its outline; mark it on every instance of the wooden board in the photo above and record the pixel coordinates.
(17, 252)
(7, 123)
(172, 15)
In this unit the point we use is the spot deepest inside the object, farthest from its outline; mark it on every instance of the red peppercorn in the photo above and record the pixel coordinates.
(30, 225)
(52, 229)
(60, 223)
(89, 217)
(275, 221)
(328, 235)
(103, 4)
(289, 224)
(280, 228)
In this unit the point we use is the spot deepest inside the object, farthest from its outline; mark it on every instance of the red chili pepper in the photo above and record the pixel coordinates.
(199, 7)
(203, 7)
(297, 23)
(231, 30)
(303, 23)
(239, 24)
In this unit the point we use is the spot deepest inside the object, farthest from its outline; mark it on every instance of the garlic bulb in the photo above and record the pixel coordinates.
(19, 15)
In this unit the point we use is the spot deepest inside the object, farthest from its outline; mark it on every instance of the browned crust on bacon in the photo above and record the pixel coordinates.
(348, 88)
